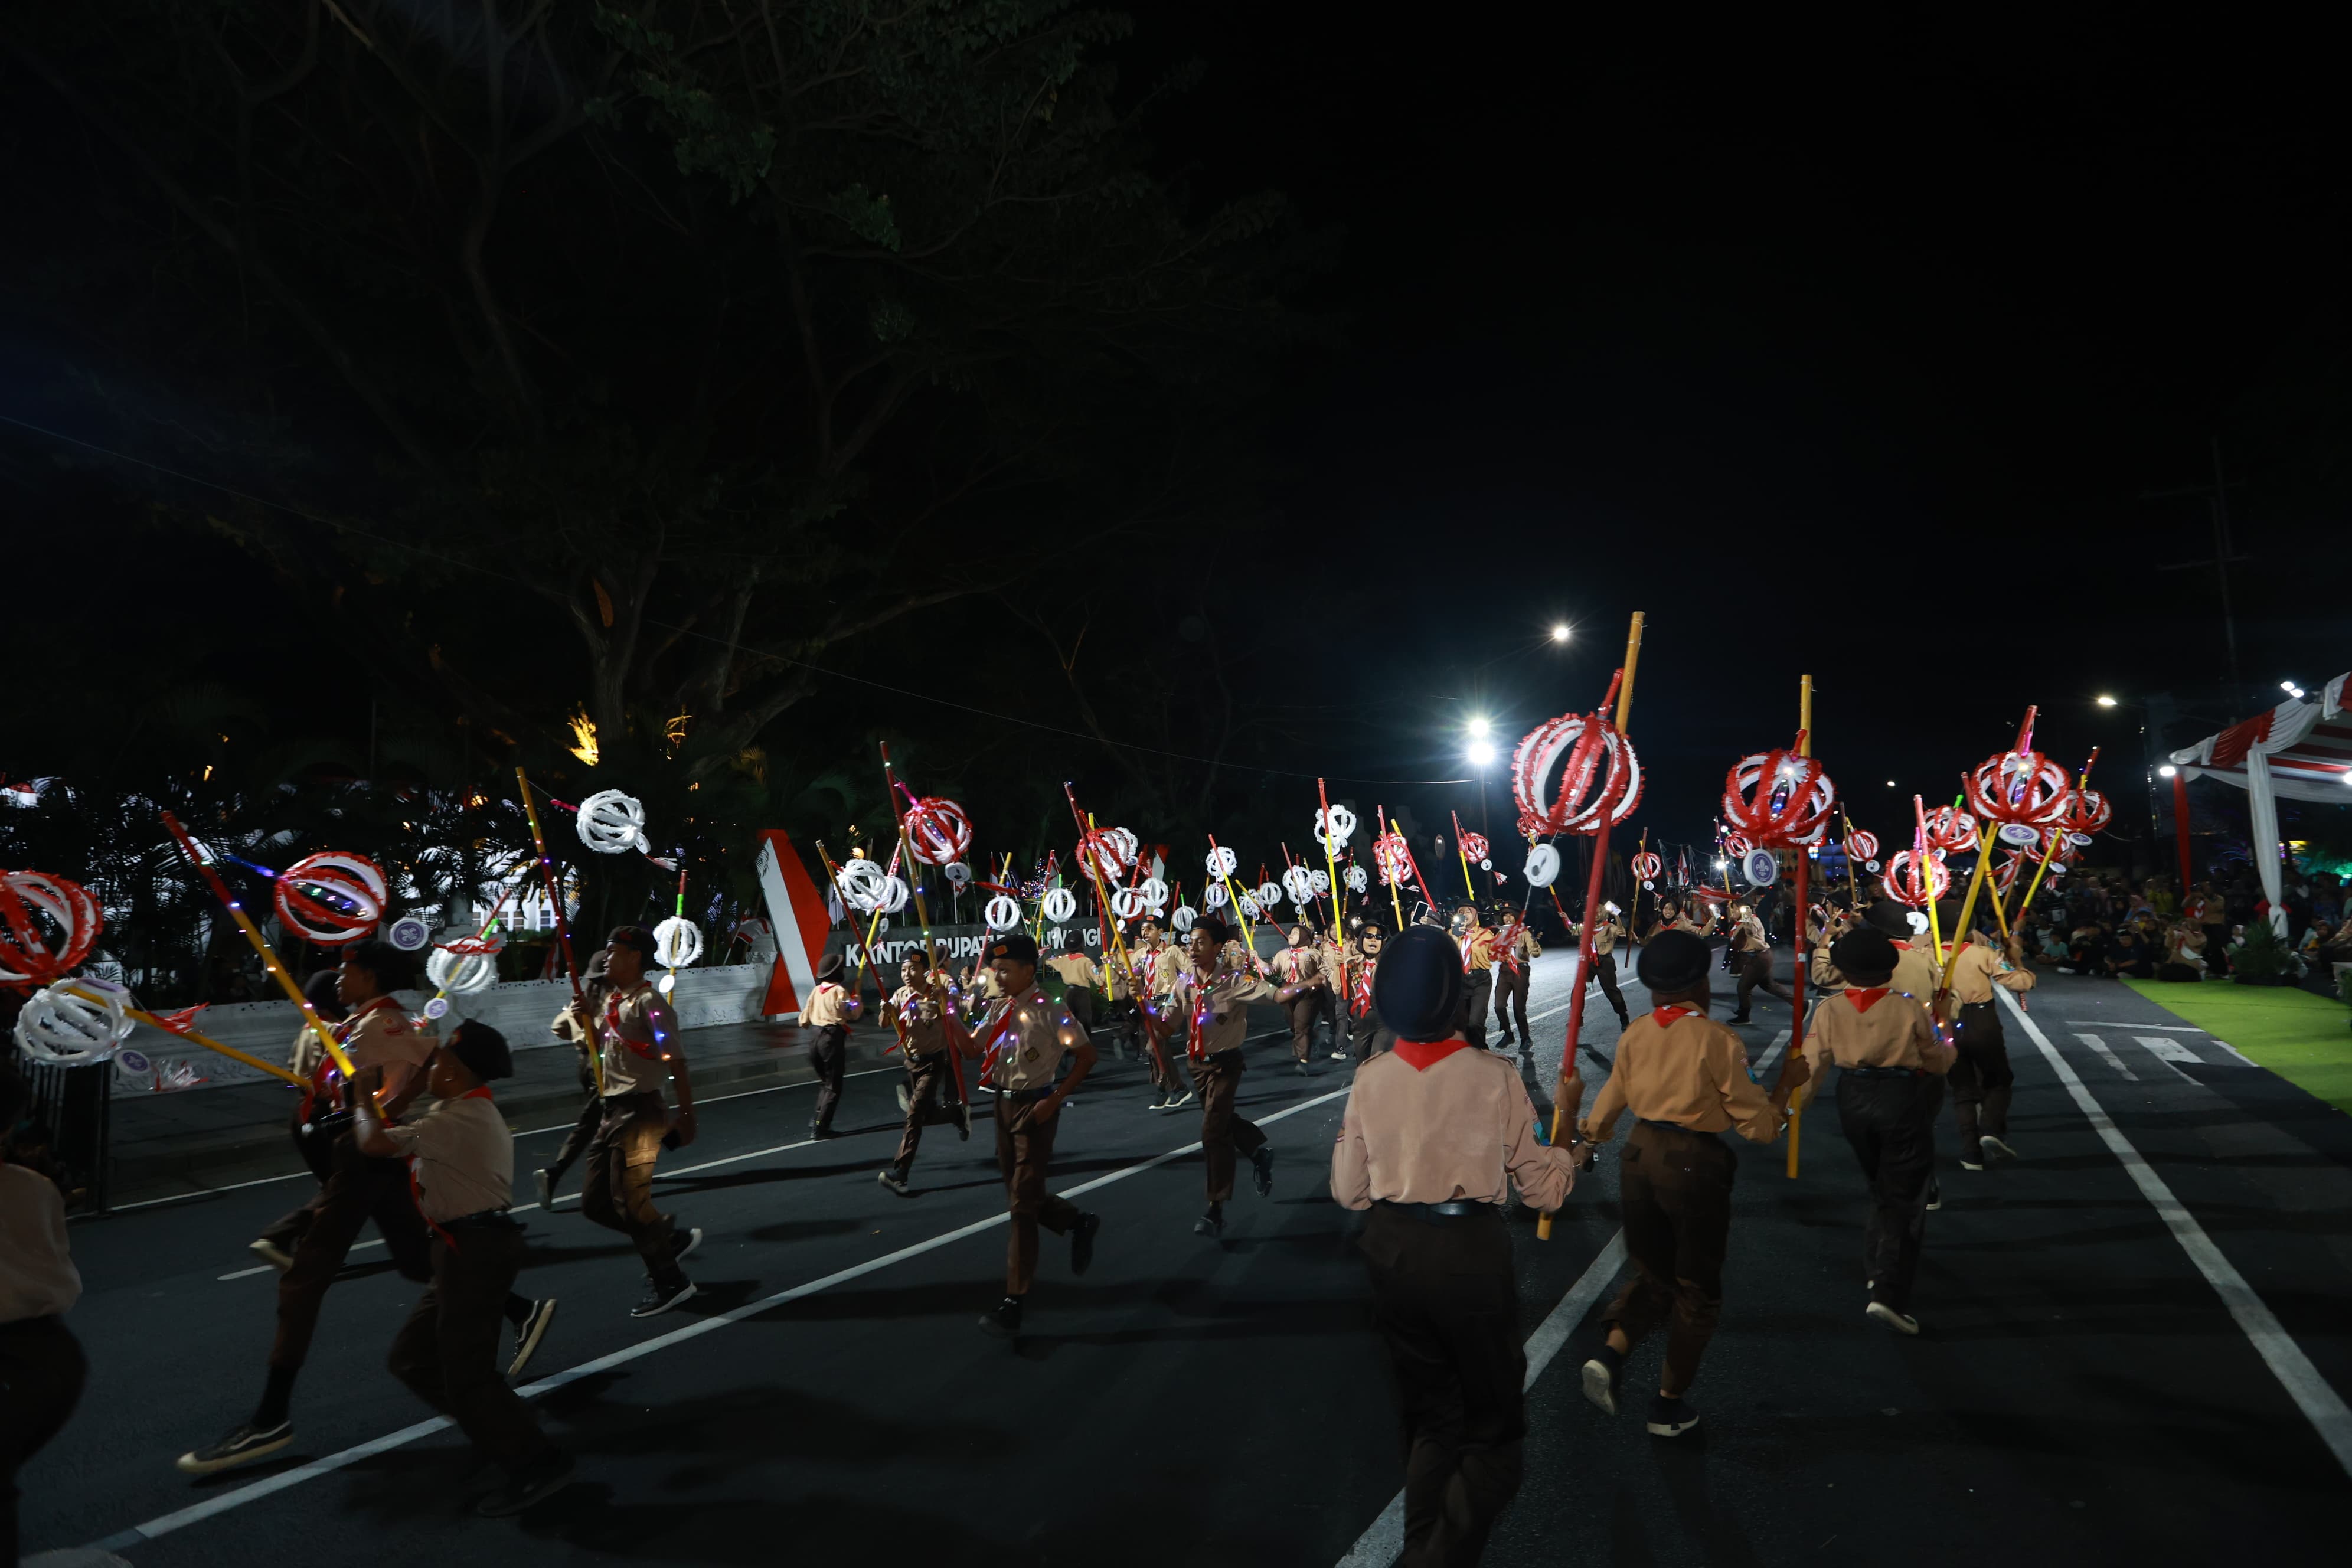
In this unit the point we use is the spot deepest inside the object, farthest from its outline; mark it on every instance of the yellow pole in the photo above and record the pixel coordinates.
(1927, 869)
(1804, 949)
(554, 890)
(152, 1022)
(1968, 907)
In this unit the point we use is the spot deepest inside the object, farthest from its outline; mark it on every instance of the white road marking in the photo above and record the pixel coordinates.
(196, 1513)
(2243, 1058)
(1378, 1546)
(2171, 1028)
(2112, 1060)
(2169, 1051)
(2320, 1403)
(1771, 1054)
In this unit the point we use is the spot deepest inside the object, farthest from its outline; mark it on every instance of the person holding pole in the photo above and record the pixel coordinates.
(830, 1009)
(1212, 997)
(575, 1025)
(1683, 1077)
(1607, 932)
(1478, 944)
(1751, 961)
(1980, 1076)
(1367, 1035)
(1434, 1137)
(1300, 965)
(917, 1012)
(638, 1047)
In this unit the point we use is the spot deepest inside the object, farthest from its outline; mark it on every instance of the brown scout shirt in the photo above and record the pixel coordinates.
(1298, 965)
(1477, 949)
(830, 1006)
(920, 1024)
(1678, 1066)
(633, 1034)
(1916, 968)
(462, 1156)
(1978, 969)
(1871, 1026)
(1026, 1035)
(1606, 934)
(1218, 1008)
(1460, 1128)
(379, 1035)
(1076, 969)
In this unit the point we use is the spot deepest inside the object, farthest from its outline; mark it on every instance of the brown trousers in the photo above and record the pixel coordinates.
(1168, 1067)
(1024, 1147)
(357, 1189)
(1218, 1077)
(928, 1078)
(1511, 995)
(1675, 1189)
(447, 1350)
(1446, 1305)
(1303, 1010)
(1981, 1078)
(616, 1191)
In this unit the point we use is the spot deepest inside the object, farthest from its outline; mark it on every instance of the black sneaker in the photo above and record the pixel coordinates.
(681, 1247)
(1003, 1320)
(661, 1297)
(1895, 1317)
(1935, 1195)
(1671, 1417)
(894, 1181)
(1994, 1144)
(818, 1134)
(242, 1446)
(1600, 1378)
(536, 1484)
(1262, 1170)
(529, 1332)
(1736, 1018)
(1301, 1066)
(1213, 1223)
(1082, 1242)
(546, 1180)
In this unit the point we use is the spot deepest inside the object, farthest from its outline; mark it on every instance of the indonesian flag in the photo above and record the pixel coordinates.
(796, 910)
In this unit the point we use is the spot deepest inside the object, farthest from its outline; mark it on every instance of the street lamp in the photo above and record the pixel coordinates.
(1478, 728)
(1559, 632)
(1481, 753)
(2106, 701)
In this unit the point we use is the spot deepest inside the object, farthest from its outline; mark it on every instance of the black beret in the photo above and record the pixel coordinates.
(1862, 951)
(1673, 961)
(1017, 945)
(637, 937)
(483, 1050)
(1417, 989)
(1890, 917)
(831, 967)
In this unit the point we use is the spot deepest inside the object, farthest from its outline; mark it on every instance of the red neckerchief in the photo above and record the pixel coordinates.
(1506, 945)
(1865, 997)
(1423, 1054)
(612, 1019)
(479, 1091)
(1666, 1017)
(1004, 1020)
(1196, 1030)
(1360, 987)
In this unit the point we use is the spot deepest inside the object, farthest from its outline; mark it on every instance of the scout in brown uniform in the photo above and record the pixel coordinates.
(636, 1036)
(1300, 968)
(1020, 1045)
(1212, 999)
(1605, 938)
(1514, 953)
(573, 1027)
(42, 1367)
(462, 1157)
(1367, 1035)
(829, 1010)
(1890, 1088)
(1980, 1075)
(1752, 961)
(917, 1012)
(1433, 1138)
(1168, 1068)
(313, 1142)
(1478, 945)
(389, 1056)
(1081, 977)
(1684, 1078)
(1672, 917)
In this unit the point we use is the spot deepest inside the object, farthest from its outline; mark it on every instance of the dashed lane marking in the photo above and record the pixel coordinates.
(2107, 1055)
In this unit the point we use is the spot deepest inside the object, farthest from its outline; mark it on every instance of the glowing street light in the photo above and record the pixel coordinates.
(1481, 753)
(2106, 702)
(1559, 632)
(1478, 728)
(1890, 783)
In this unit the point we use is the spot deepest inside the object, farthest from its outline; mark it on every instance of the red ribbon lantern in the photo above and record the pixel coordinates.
(1778, 800)
(1861, 846)
(938, 831)
(1105, 852)
(1648, 866)
(46, 926)
(1950, 829)
(2021, 785)
(1738, 846)
(1473, 847)
(1599, 779)
(1389, 854)
(1909, 883)
(2088, 811)
(330, 898)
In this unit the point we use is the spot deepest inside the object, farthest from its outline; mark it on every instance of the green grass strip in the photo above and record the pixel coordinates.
(2300, 1037)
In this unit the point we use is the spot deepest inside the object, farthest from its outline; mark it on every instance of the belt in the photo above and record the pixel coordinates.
(1884, 1072)
(1671, 1127)
(1444, 1213)
(1021, 1096)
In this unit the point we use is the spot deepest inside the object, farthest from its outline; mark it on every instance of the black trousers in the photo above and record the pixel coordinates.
(447, 1350)
(1604, 970)
(1511, 994)
(829, 1054)
(1328, 999)
(592, 1115)
(42, 1370)
(1755, 972)
(1890, 1123)
(1446, 1308)
(358, 1189)
(1367, 1035)
(1476, 986)
(317, 1147)
(1676, 1186)
(1980, 1076)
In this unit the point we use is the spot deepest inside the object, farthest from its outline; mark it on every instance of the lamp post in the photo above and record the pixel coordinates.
(2147, 773)
(1481, 753)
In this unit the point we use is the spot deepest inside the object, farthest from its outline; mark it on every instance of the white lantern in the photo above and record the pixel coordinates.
(1334, 828)
(1357, 881)
(1321, 881)
(612, 823)
(1212, 897)
(73, 1022)
(1222, 861)
(1299, 883)
(1003, 912)
(677, 943)
(1155, 893)
(1251, 909)
(460, 973)
(1128, 903)
(1060, 905)
(1268, 895)
(1543, 866)
(1182, 918)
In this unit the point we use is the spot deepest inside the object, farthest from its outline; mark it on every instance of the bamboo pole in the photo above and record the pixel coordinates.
(1396, 900)
(231, 1052)
(1804, 954)
(923, 914)
(1248, 932)
(1570, 1097)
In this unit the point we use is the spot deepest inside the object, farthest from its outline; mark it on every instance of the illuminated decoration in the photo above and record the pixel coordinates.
(465, 967)
(583, 737)
(1107, 853)
(1572, 775)
(1265, 895)
(1390, 856)
(1182, 918)
(1128, 903)
(1861, 846)
(74, 1023)
(1299, 883)
(1737, 845)
(1909, 883)
(1778, 800)
(2019, 786)
(869, 890)
(1647, 867)
(939, 832)
(677, 943)
(1950, 830)
(48, 925)
(1212, 897)
(612, 823)
(1357, 881)
(1060, 905)
(1003, 912)
(2088, 811)
(1222, 861)
(1542, 869)
(1334, 828)
(330, 898)
(1474, 846)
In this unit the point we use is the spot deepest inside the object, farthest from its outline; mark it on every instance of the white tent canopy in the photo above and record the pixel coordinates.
(2301, 749)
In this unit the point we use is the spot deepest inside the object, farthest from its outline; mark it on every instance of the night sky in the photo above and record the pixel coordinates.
(1853, 352)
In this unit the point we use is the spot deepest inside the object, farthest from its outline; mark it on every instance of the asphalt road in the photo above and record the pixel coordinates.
(2091, 1383)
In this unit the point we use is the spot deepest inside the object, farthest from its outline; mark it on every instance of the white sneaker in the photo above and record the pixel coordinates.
(1182, 1100)
(1965, 1165)
(1901, 1323)
(1997, 1146)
